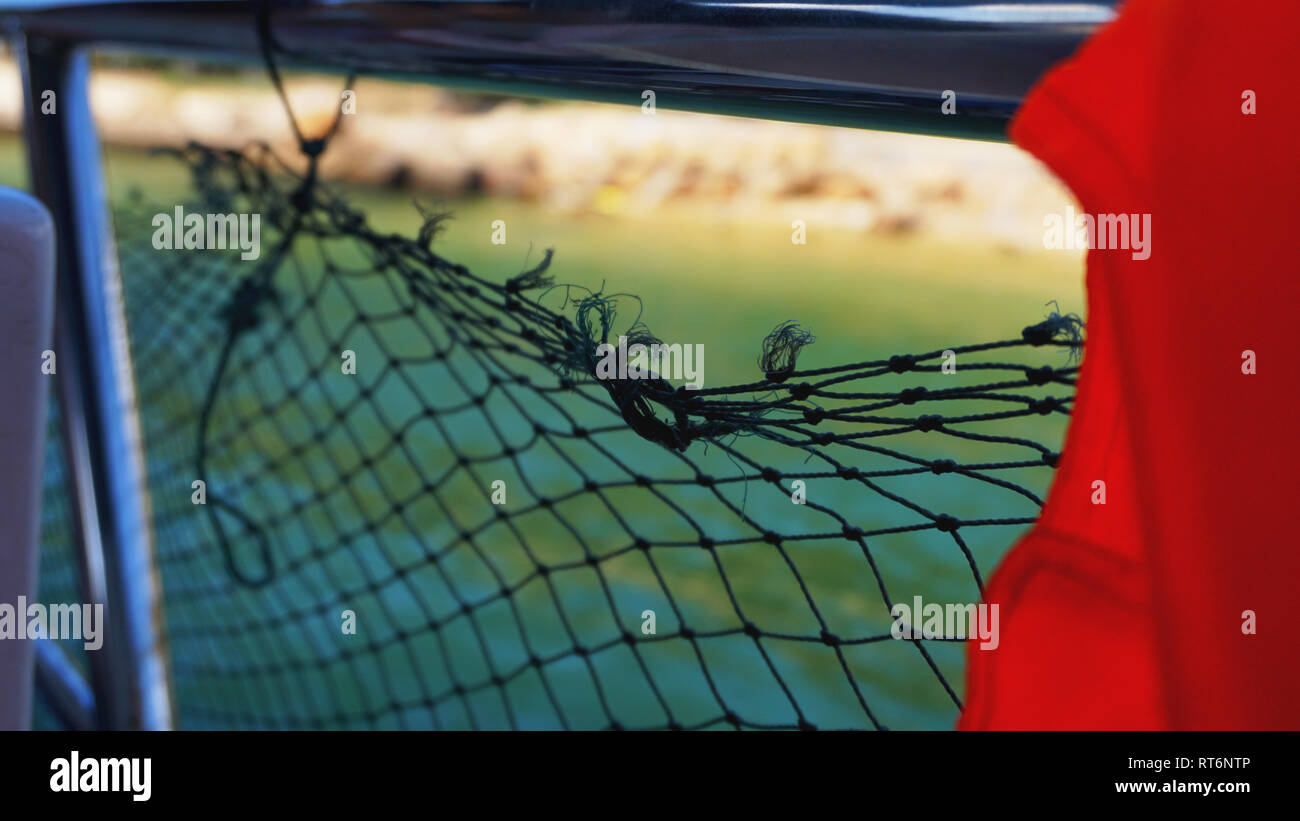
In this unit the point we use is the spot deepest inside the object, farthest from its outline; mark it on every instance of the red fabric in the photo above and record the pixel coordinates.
(1128, 615)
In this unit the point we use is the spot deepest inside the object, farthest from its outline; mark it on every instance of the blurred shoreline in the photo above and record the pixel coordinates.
(586, 158)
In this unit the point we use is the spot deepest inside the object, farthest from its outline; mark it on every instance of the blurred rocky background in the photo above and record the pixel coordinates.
(590, 158)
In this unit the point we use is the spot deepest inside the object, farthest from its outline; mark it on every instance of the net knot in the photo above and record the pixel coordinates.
(942, 466)
(1044, 406)
(312, 148)
(301, 199)
(929, 422)
(911, 395)
(1040, 334)
(243, 311)
(1065, 329)
(946, 523)
(1040, 376)
(902, 363)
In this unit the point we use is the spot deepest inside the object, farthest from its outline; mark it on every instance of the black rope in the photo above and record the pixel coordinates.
(243, 311)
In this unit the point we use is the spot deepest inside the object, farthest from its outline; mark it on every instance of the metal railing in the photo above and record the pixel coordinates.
(101, 431)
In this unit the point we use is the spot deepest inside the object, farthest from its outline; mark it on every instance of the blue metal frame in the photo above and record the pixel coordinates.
(65, 690)
(100, 425)
(834, 62)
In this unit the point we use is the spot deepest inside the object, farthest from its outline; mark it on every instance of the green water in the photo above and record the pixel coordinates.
(275, 656)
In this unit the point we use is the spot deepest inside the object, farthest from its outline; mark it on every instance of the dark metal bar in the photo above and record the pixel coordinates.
(96, 392)
(64, 687)
(875, 65)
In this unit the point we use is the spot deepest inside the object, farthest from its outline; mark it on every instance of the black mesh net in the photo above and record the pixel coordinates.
(519, 542)
(59, 575)
(425, 506)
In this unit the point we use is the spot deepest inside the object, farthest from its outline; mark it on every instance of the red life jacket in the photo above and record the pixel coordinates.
(1133, 613)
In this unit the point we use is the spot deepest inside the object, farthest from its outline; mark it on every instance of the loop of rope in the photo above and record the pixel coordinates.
(243, 311)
